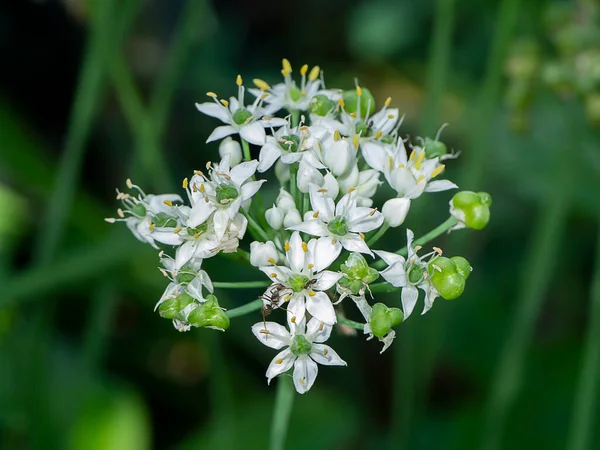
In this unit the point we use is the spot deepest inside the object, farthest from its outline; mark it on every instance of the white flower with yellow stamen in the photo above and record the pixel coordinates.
(288, 95)
(247, 121)
(304, 348)
(305, 279)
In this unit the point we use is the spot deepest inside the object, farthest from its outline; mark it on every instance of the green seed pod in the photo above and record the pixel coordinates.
(241, 116)
(172, 307)
(209, 314)
(462, 266)
(450, 286)
(351, 100)
(449, 275)
(321, 105)
(289, 143)
(383, 319)
(434, 148)
(471, 209)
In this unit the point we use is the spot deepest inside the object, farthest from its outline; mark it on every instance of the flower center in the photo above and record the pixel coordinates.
(363, 129)
(241, 116)
(139, 210)
(298, 282)
(295, 94)
(338, 226)
(300, 345)
(226, 193)
(198, 230)
(415, 274)
(289, 143)
(164, 220)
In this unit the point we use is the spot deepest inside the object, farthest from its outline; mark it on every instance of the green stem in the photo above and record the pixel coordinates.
(255, 229)
(284, 401)
(305, 204)
(240, 284)
(382, 230)
(246, 150)
(580, 432)
(245, 309)
(295, 118)
(383, 287)
(351, 323)
(437, 231)
(538, 272)
(294, 191)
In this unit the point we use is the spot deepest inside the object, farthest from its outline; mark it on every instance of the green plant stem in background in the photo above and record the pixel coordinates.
(246, 309)
(255, 229)
(351, 323)
(382, 230)
(580, 433)
(437, 231)
(246, 150)
(305, 204)
(538, 272)
(284, 401)
(240, 284)
(383, 287)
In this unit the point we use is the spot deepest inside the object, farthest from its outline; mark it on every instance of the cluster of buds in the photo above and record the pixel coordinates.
(570, 66)
(331, 152)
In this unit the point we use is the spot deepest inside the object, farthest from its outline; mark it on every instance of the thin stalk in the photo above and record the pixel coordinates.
(240, 284)
(245, 309)
(351, 323)
(580, 433)
(305, 204)
(437, 231)
(538, 272)
(246, 150)
(284, 401)
(294, 191)
(382, 230)
(295, 118)
(255, 229)
(383, 287)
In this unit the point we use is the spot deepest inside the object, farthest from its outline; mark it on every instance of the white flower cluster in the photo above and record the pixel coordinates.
(329, 151)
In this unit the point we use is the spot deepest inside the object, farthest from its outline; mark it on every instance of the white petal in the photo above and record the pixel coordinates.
(325, 252)
(281, 273)
(395, 275)
(213, 110)
(250, 188)
(410, 294)
(346, 204)
(274, 122)
(317, 331)
(313, 227)
(325, 355)
(283, 361)
(253, 133)
(243, 171)
(374, 154)
(322, 203)
(305, 373)
(199, 213)
(320, 306)
(272, 334)
(221, 132)
(395, 211)
(166, 236)
(296, 254)
(354, 243)
(440, 185)
(220, 221)
(184, 253)
(267, 157)
(326, 279)
(364, 219)
(389, 257)
(296, 308)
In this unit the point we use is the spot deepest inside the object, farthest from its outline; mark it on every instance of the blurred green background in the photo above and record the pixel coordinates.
(92, 93)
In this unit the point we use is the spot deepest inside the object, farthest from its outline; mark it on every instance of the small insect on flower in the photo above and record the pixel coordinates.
(273, 298)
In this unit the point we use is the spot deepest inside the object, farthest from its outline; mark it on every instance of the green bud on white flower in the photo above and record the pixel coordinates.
(282, 172)
(357, 273)
(471, 209)
(292, 218)
(352, 100)
(321, 105)
(232, 148)
(434, 148)
(448, 276)
(173, 308)
(339, 157)
(395, 211)
(209, 314)
(383, 319)
(263, 254)
(274, 217)
(285, 201)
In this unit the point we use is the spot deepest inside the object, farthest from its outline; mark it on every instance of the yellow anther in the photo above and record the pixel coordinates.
(315, 215)
(362, 235)
(151, 227)
(286, 65)
(438, 250)
(197, 235)
(303, 93)
(278, 361)
(177, 230)
(264, 331)
(310, 266)
(321, 326)
(419, 160)
(271, 260)
(284, 72)
(311, 293)
(184, 184)
(314, 73)
(390, 162)
(261, 84)
(356, 140)
(400, 166)
(353, 115)
(265, 95)
(305, 247)
(304, 69)
(239, 80)
(322, 190)
(202, 188)
(359, 91)
(273, 275)
(211, 94)
(390, 116)
(301, 381)
(129, 183)
(333, 241)
(198, 172)
(120, 213)
(287, 246)
(412, 155)
(418, 247)
(438, 170)
(421, 178)
(293, 319)
(373, 211)
(325, 351)
(224, 102)
(341, 102)
(388, 101)
(378, 134)
(336, 135)
(350, 190)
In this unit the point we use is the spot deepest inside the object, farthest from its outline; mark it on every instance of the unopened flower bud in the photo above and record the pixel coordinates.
(449, 275)
(274, 217)
(308, 175)
(173, 308)
(209, 314)
(331, 184)
(395, 211)
(263, 254)
(383, 319)
(357, 273)
(232, 148)
(292, 218)
(471, 209)
(282, 172)
(434, 148)
(339, 157)
(321, 105)
(285, 201)
(366, 101)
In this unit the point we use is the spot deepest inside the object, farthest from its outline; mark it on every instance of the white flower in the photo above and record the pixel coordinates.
(305, 276)
(304, 348)
(340, 225)
(287, 94)
(410, 273)
(292, 217)
(232, 148)
(274, 217)
(247, 121)
(366, 310)
(143, 212)
(263, 253)
(331, 184)
(365, 183)
(191, 276)
(339, 157)
(285, 201)
(221, 193)
(307, 175)
(395, 211)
